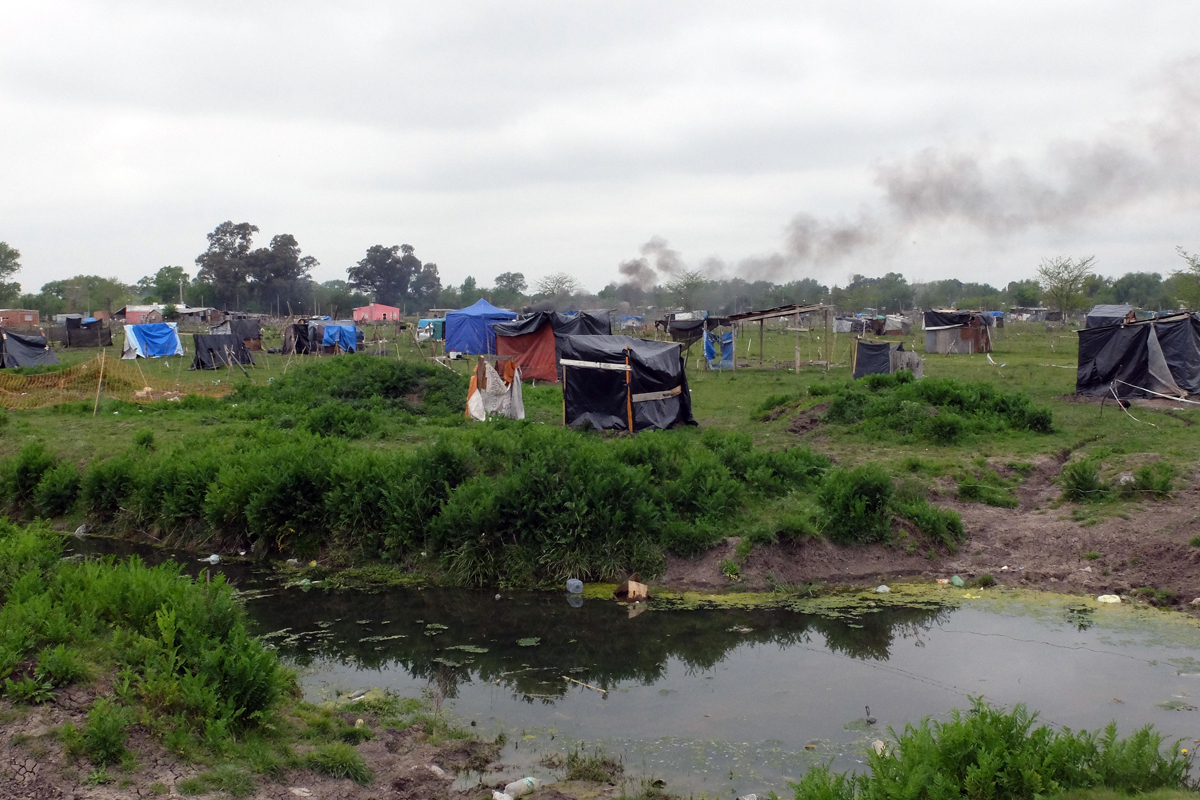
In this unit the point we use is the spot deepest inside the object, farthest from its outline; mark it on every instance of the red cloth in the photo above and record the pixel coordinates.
(532, 352)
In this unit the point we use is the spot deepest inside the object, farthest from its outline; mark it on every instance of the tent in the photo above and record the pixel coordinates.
(884, 358)
(296, 339)
(896, 325)
(1141, 359)
(152, 340)
(431, 328)
(621, 383)
(89, 332)
(248, 330)
(535, 340)
(494, 395)
(321, 336)
(1102, 315)
(24, 350)
(957, 332)
(216, 350)
(469, 330)
(344, 336)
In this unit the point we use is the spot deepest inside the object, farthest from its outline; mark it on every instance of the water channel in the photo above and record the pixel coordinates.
(725, 701)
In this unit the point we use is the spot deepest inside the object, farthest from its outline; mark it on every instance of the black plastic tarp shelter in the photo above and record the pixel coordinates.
(884, 358)
(88, 334)
(1102, 315)
(619, 383)
(1139, 359)
(248, 330)
(24, 350)
(216, 350)
(527, 339)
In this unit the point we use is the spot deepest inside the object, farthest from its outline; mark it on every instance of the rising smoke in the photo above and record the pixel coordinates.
(1073, 183)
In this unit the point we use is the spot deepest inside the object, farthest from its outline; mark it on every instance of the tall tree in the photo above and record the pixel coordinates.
(10, 262)
(425, 287)
(1026, 293)
(278, 276)
(686, 285)
(511, 282)
(223, 265)
(386, 272)
(85, 293)
(558, 284)
(163, 286)
(1063, 279)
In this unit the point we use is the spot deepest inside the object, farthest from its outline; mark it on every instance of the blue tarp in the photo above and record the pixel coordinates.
(710, 350)
(152, 340)
(86, 320)
(344, 336)
(469, 330)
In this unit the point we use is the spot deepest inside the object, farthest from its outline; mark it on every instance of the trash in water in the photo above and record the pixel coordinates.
(1108, 598)
(80, 531)
(632, 590)
(521, 787)
(882, 589)
(878, 747)
(213, 559)
(497, 597)
(575, 600)
(575, 586)
(748, 797)
(293, 562)
(957, 581)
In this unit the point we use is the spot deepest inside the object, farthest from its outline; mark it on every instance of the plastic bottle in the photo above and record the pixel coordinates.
(522, 787)
(575, 586)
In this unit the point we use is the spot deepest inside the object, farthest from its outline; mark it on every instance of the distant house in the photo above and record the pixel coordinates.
(18, 316)
(138, 315)
(377, 312)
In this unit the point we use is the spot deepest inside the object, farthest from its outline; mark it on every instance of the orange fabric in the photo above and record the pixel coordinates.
(474, 387)
(509, 371)
(532, 352)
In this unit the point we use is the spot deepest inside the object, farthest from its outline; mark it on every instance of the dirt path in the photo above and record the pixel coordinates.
(1042, 548)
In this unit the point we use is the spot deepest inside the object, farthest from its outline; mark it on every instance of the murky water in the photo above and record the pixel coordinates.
(725, 701)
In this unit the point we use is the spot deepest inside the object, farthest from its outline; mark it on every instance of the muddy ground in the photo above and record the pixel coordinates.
(406, 766)
(1034, 546)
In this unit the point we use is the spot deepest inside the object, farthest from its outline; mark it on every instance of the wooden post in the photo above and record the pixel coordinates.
(735, 327)
(828, 344)
(762, 324)
(628, 394)
(796, 325)
(99, 383)
(564, 382)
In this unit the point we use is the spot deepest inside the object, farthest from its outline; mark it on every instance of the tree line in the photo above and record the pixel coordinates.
(233, 274)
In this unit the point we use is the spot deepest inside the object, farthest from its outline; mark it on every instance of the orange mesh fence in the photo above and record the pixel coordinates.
(104, 376)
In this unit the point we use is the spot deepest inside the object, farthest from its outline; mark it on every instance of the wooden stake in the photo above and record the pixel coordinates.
(588, 685)
(99, 383)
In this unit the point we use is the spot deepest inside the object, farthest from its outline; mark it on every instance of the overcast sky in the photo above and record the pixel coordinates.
(942, 139)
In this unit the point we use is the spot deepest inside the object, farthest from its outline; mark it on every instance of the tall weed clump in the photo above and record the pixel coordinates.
(182, 649)
(990, 752)
(943, 411)
(857, 504)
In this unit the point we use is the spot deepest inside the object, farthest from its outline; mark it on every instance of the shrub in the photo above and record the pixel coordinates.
(946, 428)
(943, 525)
(26, 473)
(983, 493)
(985, 580)
(1080, 482)
(57, 491)
(1154, 480)
(856, 504)
(989, 752)
(106, 485)
(144, 439)
(771, 403)
(62, 665)
(339, 760)
(104, 735)
(228, 778)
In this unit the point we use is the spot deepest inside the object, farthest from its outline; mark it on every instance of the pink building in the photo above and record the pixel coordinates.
(377, 312)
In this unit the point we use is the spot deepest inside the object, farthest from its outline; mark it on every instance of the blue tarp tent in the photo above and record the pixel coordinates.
(469, 330)
(344, 336)
(152, 340)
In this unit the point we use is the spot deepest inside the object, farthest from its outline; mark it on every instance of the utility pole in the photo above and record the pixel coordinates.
(181, 291)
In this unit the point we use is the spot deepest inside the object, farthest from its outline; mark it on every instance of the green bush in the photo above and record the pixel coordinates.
(104, 735)
(991, 753)
(975, 492)
(25, 473)
(943, 525)
(144, 439)
(62, 665)
(57, 491)
(228, 778)
(1154, 480)
(856, 504)
(339, 760)
(946, 428)
(1080, 482)
(771, 403)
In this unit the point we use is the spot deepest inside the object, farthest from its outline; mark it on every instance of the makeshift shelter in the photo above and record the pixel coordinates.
(431, 328)
(24, 350)
(534, 341)
(1102, 315)
(1141, 359)
(86, 332)
(896, 325)
(248, 330)
(344, 337)
(622, 383)
(321, 336)
(957, 332)
(469, 330)
(884, 358)
(296, 340)
(152, 340)
(492, 394)
(216, 350)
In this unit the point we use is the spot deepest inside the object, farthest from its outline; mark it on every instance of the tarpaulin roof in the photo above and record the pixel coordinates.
(152, 340)
(24, 350)
(242, 328)
(535, 340)
(344, 336)
(216, 350)
(1138, 359)
(469, 330)
(1105, 314)
(937, 319)
(596, 391)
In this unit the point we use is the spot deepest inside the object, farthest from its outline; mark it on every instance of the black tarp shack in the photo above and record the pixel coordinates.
(24, 350)
(622, 383)
(90, 333)
(1102, 315)
(884, 358)
(958, 331)
(248, 330)
(1141, 359)
(216, 350)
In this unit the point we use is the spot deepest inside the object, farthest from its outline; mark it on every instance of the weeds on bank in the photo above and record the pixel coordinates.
(990, 752)
(1082, 482)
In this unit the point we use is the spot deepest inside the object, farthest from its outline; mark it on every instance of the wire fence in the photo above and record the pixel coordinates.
(104, 376)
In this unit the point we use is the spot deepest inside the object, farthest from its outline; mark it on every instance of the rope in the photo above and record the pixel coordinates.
(1157, 394)
(1113, 389)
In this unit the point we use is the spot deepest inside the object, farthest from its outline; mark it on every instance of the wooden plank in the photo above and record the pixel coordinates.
(571, 362)
(664, 395)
